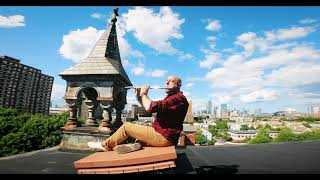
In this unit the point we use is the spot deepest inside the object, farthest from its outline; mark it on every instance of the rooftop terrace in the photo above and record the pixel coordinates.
(283, 158)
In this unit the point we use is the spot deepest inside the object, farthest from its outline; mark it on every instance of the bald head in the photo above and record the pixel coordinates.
(173, 84)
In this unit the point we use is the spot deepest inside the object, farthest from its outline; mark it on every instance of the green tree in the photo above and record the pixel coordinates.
(222, 125)
(224, 135)
(313, 135)
(285, 135)
(213, 130)
(200, 138)
(21, 132)
(262, 137)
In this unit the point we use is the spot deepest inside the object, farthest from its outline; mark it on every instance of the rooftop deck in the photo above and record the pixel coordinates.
(283, 158)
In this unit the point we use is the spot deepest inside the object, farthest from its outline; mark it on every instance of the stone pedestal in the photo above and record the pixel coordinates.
(76, 139)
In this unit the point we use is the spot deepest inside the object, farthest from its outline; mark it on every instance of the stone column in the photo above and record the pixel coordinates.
(118, 122)
(91, 121)
(106, 114)
(72, 120)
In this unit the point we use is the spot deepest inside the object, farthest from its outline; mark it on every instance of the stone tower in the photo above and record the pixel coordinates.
(98, 82)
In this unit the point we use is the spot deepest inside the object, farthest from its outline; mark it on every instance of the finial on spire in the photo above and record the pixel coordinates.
(114, 18)
(116, 11)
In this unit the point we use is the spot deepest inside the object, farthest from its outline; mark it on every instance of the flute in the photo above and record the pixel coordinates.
(132, 87)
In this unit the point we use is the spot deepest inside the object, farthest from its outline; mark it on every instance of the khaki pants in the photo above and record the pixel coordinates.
(145, 134)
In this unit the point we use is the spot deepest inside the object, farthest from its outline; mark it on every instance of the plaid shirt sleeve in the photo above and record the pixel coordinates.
(170, 103)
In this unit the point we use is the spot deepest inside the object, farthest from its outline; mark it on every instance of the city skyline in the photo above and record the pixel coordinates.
(247, 57)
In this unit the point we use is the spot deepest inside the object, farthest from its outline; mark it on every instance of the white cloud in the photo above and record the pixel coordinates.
(154, 29)
(188, 85)
(277, 64)
(213, 25)
(138, 70)
(78, 44)
(212, 41)
(308, 21)
(291, 109)
(234, 61)
(294, 32)
(251, 42)
(98, 16)
(210, 59)
(277, 58)
(295, 75)
(198, 104)
(236, 77)
(260, 95)
(156, 73)
(58, 91)
(240, 73)
(185, 56)
(12, 21)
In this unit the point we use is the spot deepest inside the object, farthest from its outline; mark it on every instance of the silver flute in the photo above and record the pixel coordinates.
(132, 87)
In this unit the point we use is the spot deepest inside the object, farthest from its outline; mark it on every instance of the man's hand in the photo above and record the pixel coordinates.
(137, 91)
(145, 90)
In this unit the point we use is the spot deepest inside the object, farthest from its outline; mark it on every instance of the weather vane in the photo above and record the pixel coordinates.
(114, 18)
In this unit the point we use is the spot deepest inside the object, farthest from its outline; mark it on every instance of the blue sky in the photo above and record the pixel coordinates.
(247, 57)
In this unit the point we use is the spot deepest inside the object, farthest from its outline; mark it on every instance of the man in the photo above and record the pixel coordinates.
(165, 130)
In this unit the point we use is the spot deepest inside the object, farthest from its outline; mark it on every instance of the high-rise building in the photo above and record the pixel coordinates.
(224, 110)
(257, 112)
(316, 110)
(24, 87)
(209, 107)
(215, 110)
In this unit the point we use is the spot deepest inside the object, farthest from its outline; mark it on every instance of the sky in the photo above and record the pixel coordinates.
(246, 57)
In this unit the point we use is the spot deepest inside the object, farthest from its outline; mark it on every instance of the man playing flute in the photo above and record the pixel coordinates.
(164, 131)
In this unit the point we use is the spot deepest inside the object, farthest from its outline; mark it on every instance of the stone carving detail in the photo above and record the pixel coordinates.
(72, 120)
(91, 121)
(107, 118)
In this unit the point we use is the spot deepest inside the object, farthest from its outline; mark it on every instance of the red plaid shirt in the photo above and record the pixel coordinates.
(171, 112)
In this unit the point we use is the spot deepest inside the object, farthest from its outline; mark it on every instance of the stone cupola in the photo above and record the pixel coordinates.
(97, 82)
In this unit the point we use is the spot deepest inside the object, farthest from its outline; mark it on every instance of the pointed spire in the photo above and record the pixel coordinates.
(104, 58)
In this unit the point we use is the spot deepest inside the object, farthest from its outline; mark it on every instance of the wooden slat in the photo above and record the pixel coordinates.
(113, 159)
(129, 169)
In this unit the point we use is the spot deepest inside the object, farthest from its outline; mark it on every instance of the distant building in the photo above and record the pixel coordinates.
(241, 119)
(257, 112)
(219, 115)
(238, 136)
(209, 107)
(137, 111)
(215, 111)
(313, 110)
(316, 110)
(24, 87)
(224, 110)
(57, 110)
(280, 113)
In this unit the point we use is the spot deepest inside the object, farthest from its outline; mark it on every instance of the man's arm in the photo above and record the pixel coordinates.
(146, 101)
